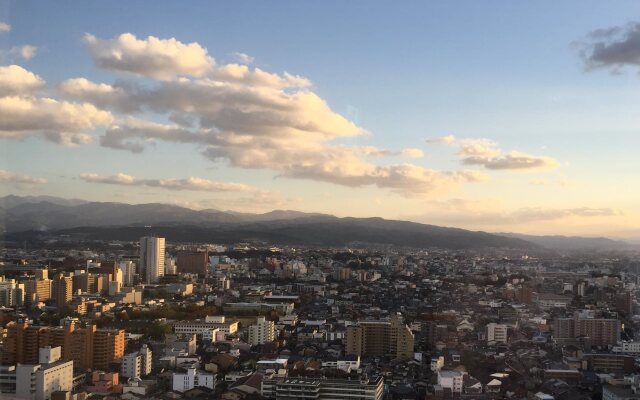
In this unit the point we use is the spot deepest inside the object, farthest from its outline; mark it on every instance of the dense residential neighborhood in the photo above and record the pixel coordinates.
(162, 320)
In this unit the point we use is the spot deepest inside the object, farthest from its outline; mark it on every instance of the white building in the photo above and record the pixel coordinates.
(347, 363)
(135, 365)
(497, 333)
(211, 334)
(262, 332)
(128, 269)
(437, 364)
(451, 380)
(211, 322)
(632, 348)
(38, 382)
(191, 379)
(152, 258)
(11, 292)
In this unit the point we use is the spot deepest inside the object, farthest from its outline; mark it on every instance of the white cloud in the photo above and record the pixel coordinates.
(514, 160)
(157, 58)
(448, 139)
(16, 80)
(412, 153)
(243, 58)
(58, 121)
(101, 95)
(4, 27)
(9, 177)
(25, 52)
(486, 153)
(248, 118)
(191, 183)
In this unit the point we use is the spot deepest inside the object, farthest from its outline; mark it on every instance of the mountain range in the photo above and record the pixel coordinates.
(32, 216)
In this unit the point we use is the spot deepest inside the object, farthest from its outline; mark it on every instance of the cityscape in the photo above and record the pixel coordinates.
(294, 200)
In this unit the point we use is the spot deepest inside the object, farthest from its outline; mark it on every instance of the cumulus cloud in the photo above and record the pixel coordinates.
(154, 57)
(58, 121)
(612, 48)
(4, 27)
(100, 94)
(245, 117)
(8, 177)
(486, 153)
(243, 58)
(191, 183)
(16, 80)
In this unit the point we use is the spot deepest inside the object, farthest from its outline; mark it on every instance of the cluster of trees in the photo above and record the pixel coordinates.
(172, 311)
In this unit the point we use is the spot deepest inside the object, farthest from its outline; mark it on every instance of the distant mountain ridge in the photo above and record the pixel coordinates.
(571, 242)
(114, 221)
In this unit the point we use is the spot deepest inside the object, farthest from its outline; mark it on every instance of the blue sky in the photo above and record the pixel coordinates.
(509, 72)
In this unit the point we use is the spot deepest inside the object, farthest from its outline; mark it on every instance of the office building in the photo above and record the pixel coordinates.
(194, 262)
(328, 389)
(211, 322)
(152, 254)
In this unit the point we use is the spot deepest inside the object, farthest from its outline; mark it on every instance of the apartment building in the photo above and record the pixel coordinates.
(88, 347)
(380, 338)
(497, 333)
(192, 378)
(261, 332)
(40, 381)
(601, 331)
(135, 365)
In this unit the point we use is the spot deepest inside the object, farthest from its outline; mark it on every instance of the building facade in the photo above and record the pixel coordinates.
(152, 252)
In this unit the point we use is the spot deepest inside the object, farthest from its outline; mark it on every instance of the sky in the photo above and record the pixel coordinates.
(497, 115)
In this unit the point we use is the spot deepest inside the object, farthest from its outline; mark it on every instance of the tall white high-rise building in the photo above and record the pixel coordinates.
(128, 272)
(152, 258)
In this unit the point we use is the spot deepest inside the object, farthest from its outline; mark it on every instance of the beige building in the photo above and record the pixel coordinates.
(39, 381)
(152, 258)
(380, 338)
(261, 332)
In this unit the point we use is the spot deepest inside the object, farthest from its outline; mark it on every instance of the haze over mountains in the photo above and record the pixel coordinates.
(35, 215)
